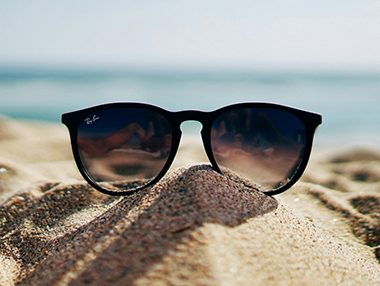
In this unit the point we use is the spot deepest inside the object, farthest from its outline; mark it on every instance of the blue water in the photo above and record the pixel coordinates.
(348, 102)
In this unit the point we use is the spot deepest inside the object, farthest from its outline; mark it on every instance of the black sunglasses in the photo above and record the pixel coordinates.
(121, 148)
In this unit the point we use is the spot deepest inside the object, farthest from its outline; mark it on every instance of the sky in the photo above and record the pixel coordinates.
(248, 34)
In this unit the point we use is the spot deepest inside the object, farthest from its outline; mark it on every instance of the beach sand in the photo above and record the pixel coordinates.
(195, 227)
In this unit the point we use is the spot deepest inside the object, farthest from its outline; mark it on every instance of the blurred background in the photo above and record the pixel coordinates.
(322, 56)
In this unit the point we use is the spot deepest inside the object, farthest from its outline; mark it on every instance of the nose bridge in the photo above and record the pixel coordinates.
(188, 115)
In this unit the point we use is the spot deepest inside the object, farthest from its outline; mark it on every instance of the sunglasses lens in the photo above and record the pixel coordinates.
(262, 144)
(127, 147)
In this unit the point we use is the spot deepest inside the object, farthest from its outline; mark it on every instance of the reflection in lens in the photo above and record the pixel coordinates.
(124, 146)
(262, 144)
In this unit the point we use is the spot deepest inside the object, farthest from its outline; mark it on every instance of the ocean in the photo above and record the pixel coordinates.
(348, 101)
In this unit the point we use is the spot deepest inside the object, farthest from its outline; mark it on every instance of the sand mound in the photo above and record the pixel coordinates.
(195, 227)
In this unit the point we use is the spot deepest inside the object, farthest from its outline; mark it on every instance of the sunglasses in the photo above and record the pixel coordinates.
(121, 148)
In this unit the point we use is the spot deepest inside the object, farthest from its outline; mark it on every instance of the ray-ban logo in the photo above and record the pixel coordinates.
(89, 120)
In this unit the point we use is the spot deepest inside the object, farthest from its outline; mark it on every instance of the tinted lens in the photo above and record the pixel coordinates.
(124, 146)
(265, 145)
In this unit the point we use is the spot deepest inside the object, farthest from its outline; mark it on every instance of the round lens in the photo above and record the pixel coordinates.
(124, 147)
(262, 144)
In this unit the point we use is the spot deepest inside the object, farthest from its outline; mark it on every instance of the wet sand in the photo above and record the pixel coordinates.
(195, 227)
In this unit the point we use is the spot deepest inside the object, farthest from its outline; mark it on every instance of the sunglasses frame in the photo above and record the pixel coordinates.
(175, 119)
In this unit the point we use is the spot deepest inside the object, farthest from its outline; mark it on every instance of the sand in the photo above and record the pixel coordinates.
(195, 227)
